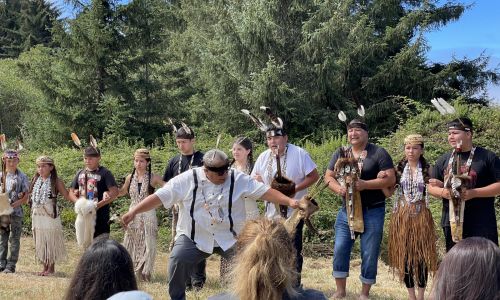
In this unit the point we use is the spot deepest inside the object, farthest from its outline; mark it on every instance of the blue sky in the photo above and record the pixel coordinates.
(474, 33)
(477, 31)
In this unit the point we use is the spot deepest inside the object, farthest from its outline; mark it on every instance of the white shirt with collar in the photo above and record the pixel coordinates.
(207, 234)
(298, 165)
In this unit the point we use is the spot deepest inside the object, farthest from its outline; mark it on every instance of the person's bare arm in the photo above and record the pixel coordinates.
(274, 196)
(333, 184)
(63, 191)
(124, 189)
(377, 183)
(309, 180)
(108, 196)
(491, 190)
(150, 202)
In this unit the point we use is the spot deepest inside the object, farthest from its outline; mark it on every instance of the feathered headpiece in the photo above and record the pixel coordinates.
(10, 153)
(355, 123)
(91, 150)
(444, 108)
(273, 129)
(184, 132)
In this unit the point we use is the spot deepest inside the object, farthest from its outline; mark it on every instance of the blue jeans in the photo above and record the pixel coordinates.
(370, 244)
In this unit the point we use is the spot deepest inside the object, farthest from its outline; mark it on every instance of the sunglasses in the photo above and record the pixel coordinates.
(218, 170)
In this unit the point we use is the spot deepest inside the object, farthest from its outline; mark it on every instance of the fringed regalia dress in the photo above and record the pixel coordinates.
(412, 237)
(141, 234)
(45, 223)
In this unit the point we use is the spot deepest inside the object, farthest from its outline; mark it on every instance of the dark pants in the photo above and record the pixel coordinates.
(470, 231)
(183, 259)
(12, 237)
(297, 243)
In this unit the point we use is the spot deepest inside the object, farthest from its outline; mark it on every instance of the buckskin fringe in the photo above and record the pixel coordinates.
(48, 236)
(412, 241)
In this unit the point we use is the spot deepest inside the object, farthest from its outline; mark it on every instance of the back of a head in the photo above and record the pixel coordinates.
(265, 260)
(104, 270)
(470, 270)
(215, 158)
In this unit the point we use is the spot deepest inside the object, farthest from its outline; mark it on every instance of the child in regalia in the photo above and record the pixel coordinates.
(412, 237)
(46, 224)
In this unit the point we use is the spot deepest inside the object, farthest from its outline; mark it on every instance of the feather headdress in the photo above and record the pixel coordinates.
(183, 132)
(91, 149)
(359, 123)
(445, 108)
(273, 129)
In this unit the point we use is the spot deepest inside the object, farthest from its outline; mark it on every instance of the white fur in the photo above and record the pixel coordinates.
(85, 222)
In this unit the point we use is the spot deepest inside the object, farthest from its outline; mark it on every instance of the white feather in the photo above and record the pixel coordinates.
(218, 141)
(448, 108)
(342, 116)
(186, 128)
(361, 111)
(438, 106)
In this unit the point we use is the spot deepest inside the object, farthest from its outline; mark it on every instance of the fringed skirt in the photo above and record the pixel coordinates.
(140, 241)
(48, 235)
(412, 241)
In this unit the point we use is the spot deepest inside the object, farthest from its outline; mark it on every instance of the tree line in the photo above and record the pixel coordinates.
(119, 70)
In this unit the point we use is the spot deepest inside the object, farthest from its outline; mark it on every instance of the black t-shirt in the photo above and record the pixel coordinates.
(485, 170)
(98, 182)
(172, 169)
(377, 159)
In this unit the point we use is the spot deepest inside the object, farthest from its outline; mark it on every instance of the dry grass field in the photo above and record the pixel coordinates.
(25, 284)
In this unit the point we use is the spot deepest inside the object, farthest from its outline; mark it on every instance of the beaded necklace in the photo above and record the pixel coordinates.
(41, 191)
(270, 161)
(179, 171)
(212, 205)
(412, 186)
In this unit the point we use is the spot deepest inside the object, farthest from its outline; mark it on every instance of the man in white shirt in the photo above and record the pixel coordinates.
(297, 165)
(211, 213)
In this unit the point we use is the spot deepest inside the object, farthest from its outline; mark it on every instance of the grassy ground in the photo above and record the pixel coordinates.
(25, 284)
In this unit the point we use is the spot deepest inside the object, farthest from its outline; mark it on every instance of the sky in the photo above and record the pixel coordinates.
(476, 32)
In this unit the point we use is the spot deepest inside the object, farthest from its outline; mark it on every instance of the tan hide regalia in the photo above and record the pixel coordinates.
(346, 172)
(85, 209)
(5, 208)
(456, 182)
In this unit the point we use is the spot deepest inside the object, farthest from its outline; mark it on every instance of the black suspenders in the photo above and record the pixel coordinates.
(230, 205)
(191, 211)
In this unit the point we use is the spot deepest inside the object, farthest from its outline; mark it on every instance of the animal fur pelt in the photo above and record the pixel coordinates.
(347, 172)
(85, 222)
(5, 211)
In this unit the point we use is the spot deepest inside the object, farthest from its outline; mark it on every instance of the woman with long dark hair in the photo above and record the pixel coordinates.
(104, 270)
(242, 151)
(140, 236)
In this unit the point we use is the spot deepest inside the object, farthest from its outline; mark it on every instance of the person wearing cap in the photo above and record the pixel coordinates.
(187, 159)
(371, 160)
(211, 213)
(483, 167)
(16, 188)
(95, 182)
(296, 164)
(45, 221)
(412, 237)
(140, 236)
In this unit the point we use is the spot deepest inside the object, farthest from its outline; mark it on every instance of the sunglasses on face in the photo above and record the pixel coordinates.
(218, 170)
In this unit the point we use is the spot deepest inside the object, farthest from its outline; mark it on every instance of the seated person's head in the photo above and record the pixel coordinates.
(470, 270)
(265, 261)
(104, 270)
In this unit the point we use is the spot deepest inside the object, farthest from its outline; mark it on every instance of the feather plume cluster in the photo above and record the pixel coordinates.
(78, 142)
(276, 122)
(442, 106)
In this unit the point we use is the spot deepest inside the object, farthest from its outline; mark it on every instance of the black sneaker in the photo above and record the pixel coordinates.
(9, 270)
(2, 268)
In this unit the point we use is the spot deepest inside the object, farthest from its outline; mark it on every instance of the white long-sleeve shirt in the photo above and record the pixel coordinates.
(207, 233)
